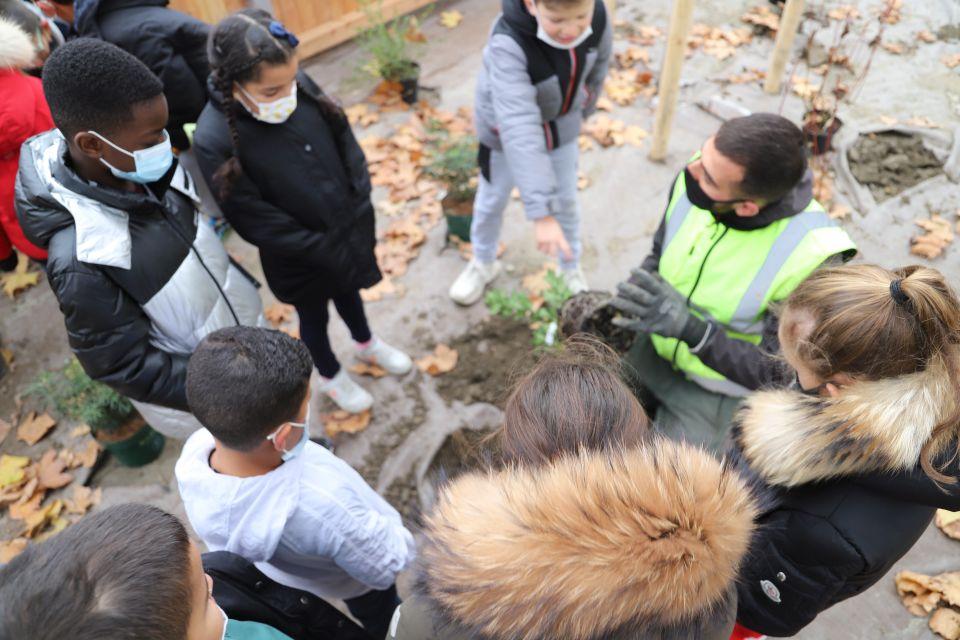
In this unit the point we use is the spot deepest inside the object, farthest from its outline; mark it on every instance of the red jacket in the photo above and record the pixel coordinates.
(23, 113)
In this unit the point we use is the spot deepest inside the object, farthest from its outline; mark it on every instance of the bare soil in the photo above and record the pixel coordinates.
(889, 163)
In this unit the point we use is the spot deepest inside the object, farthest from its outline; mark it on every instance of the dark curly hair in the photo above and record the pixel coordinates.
(93, 85)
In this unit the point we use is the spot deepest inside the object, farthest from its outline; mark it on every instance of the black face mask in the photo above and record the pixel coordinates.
(699, 198)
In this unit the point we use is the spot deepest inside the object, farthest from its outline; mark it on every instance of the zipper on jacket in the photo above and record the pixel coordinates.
(573, 81)
(696, 282)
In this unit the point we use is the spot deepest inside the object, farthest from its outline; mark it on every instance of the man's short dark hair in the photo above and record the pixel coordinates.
(94, 85)
(769, 148)
(244, 382)
(123, 572)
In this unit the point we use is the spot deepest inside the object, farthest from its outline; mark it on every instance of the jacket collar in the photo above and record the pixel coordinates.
(790, 439)
(593, 539)
(794, 202)
(517, 16)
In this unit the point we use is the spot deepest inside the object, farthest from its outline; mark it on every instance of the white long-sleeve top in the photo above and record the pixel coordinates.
(312, 523)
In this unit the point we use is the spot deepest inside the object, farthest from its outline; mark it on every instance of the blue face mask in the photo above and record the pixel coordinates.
(290, 454)
(151, 163)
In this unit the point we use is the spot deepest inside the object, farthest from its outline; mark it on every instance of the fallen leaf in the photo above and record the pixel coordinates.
(643, 35)
(414, 33)
(750, 75)
(87, 457)
(804, 87)
(344, 422)
(57, 524)
(442, 360)
(634, 135)
(895, 48)
(952, 60)
(278, 313)
(12, 469)
(4, 430)
(631, 56)
(945, 622)
(948, 522)
(917, 592)
(763, 17)
(360, 114)
(20, 279)
(51, 471)
(844, 12)
(585, 143)
(366, 369)
(451, 19)
(891, 11)
(83, 499)
(604, 104)
(35, 522)
(623, 86)
(386, 287)
(939, 234)
(23, 510)
(717, 42)
(10, 549)
(926, 36)
(79, 432)
(35, 427)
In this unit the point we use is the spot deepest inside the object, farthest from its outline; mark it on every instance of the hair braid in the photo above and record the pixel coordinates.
(230, 170)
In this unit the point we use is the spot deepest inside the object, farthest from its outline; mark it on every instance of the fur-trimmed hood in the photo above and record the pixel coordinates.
(16, 48)
(791, 439)
(634, 544)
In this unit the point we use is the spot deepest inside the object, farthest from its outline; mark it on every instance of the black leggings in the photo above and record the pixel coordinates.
(314, 317)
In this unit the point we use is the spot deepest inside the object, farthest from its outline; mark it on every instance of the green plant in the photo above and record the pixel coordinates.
(453, 162)
(543, 318)
(71, 393)
(389, 43)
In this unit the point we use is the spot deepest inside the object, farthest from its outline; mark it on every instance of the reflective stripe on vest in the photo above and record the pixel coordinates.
(710, 268)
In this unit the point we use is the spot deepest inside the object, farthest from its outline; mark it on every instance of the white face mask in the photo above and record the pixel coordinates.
(290, 454)
(275, 112)
(573, 44)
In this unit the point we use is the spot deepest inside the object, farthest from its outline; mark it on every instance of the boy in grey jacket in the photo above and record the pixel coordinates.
(543, 70)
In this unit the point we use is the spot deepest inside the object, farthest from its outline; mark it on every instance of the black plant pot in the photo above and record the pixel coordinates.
(819, 139)
(410, 87)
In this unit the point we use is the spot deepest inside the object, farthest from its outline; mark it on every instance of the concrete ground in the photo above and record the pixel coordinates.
(621, 210)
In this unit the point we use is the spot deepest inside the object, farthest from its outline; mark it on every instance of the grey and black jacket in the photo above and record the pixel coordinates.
(531, 98)
(140, 278)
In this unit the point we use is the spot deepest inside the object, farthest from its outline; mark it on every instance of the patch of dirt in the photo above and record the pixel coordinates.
(462, 451)
(403, 496)
(382, 447)
(949, 32)
(889, 163)
(491, 356)
(590, 312)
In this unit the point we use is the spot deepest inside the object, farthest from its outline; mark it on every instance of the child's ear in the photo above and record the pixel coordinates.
(280, 439)
(89, 145)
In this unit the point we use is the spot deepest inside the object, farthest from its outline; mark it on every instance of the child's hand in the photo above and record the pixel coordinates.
(550, 238)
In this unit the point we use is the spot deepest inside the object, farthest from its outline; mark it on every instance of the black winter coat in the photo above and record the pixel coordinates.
(845, 499)
(172, 44)
(303, 198)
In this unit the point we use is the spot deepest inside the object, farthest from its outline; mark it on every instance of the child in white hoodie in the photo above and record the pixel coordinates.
(254, 484)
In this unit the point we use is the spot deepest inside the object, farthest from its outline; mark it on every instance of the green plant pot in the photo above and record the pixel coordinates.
(143, 447)
(459, 226)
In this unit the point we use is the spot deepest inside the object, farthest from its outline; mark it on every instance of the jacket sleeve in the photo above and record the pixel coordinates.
(749, 365)
(796, 568)
(594, 81)
(110, 335)
(259, 222)
(158, 49)
(520, 125)
(191, 42)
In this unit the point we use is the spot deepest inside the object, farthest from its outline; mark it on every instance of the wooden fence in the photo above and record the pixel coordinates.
(320, 24)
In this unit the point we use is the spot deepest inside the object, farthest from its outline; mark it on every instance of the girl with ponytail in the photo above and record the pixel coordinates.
(856, 458)
(292, 180)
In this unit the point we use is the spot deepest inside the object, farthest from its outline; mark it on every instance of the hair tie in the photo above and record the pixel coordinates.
(896, 292)
(277, 30)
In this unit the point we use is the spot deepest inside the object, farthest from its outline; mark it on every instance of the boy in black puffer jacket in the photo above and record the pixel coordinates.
(170, 43)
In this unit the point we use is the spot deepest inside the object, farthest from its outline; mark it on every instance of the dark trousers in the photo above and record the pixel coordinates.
(374, 610)
(314, 317)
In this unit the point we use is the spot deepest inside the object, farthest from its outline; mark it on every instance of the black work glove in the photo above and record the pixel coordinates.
(653, 306)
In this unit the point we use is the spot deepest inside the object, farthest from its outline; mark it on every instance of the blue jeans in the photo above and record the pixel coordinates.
(493, 194)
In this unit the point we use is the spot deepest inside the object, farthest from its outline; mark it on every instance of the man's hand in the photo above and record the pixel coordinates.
(653, 306)
(550, 239)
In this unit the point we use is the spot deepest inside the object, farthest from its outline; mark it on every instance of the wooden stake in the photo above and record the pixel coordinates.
(789, 23)
(611, 10)
(669, 85)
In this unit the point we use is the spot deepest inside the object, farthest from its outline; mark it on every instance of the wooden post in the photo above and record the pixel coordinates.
(789, 23)
(611, 10)
(669, 86)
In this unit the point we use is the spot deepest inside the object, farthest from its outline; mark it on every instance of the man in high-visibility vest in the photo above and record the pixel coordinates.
(740, 232)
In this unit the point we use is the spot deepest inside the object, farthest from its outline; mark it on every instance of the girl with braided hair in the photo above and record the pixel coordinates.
(292, 180)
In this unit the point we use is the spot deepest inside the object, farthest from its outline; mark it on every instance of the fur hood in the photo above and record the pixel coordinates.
(16, 49)
(790, 439)
(625, 545)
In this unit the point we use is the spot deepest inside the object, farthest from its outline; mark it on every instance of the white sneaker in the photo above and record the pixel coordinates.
(576, 281)
(348, 395)
(382, 354)
(469, 285)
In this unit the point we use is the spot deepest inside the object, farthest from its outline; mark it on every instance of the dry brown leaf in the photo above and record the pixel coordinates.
(634, 135)
(10, 549)
(79, 432)
(35, 427)
(442, 360)
(939, 235)
(716, 42)
(891, 11)
(344, 422)
(750, 75)
(35, 522)
(360, 114)
(624, 85)
(451, 19)
(604, 104)
(631, 56)
(926, 36)
(12, 469)
(945, 622)
(917, 591)
(895, 48)
(20, 279)
(87, 457)
(50, 471)
(804, 87)
(367, 369)
(278, 313)
(844, 12)
(762, 16)
(952, 60)
(23, 510)
(83, 499)
(585, 143)
(644, 35)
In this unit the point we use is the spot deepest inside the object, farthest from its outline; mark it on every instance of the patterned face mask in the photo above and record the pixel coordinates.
(275, 112)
